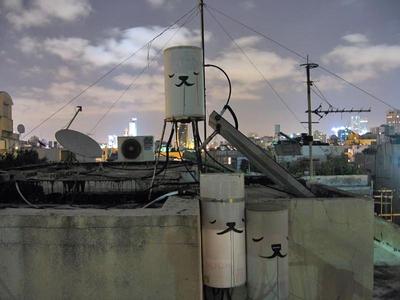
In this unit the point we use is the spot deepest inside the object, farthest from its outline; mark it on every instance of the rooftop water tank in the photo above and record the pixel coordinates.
(223, 230)
(184, 84)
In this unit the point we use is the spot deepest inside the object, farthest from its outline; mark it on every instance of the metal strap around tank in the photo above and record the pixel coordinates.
(228, 200)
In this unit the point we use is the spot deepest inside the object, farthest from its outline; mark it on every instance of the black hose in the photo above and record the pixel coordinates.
(166, 158)
(233, 115)
(227, 77)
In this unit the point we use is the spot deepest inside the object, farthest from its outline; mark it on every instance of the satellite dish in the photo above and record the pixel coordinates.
(78, 143)
(21, 129)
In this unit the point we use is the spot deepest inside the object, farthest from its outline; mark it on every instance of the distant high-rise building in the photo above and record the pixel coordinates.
(7, 138)
(132, 129)
(359, 125)
(393, 119)
(183, 136)
(319, 136)
(277, 129)
(342, 134)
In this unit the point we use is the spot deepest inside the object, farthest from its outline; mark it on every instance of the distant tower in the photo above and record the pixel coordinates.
(132, 130)
(359, 125)
(276, 133)
(183, 135)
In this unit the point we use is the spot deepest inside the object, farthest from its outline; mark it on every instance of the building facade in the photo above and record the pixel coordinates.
(8, 139)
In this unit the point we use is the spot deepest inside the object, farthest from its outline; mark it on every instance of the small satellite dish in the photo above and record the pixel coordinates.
(21, 128)
(78, 143)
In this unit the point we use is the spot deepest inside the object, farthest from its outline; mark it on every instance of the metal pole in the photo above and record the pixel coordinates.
(309, 119)
(201, 5)
(309, 66)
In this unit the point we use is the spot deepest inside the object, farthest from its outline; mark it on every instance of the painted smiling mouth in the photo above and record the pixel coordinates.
(276, 248)
(183, 81)
(231, 227)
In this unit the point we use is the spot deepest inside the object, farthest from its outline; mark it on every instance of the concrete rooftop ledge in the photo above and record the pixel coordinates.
(101, 254)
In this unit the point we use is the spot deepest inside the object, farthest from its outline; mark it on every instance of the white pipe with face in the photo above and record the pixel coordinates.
(267, 252)
(223, 230)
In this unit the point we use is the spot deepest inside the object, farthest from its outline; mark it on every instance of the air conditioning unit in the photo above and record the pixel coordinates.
(135, 148)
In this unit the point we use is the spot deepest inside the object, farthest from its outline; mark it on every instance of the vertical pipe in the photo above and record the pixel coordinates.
(309, 118)
(201, 5)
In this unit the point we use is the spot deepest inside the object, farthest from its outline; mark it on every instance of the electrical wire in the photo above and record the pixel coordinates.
(155, 173)
(227, 78)
(303, 57)
(197, 135)
(357, 87)
(108, 72)
(321, 95)
(254, 66)
(190, 17)
(226, 106)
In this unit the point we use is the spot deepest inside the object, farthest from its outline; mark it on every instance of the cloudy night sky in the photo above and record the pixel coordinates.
(53, 49)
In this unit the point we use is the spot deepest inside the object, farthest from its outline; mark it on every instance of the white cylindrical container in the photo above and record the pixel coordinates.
(223, 230)
(184, 84)
(267, 252)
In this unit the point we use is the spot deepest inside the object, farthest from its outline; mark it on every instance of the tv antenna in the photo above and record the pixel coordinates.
(331, 110)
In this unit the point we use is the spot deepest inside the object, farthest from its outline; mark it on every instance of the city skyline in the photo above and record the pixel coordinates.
(54, 49)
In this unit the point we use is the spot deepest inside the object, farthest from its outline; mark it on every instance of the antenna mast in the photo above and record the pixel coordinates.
(201, 6)
(309, 66)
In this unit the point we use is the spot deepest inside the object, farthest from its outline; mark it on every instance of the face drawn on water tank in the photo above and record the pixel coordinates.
(267, 252)
(184, 85)
(223, 230)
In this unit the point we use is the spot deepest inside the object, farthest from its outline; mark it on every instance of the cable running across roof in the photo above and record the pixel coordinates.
(254, 66)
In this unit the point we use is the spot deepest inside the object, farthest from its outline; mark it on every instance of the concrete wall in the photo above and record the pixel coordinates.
(387, 233)
(357, 184)
(330, 246)
(101, 254)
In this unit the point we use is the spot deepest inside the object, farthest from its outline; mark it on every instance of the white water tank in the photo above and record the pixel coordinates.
(267, 252)
(223, 230)
(184, 85)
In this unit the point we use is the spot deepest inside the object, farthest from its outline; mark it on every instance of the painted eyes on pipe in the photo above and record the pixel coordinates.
(212, 222)
(172, 75)
(243, 220)
(258, 240)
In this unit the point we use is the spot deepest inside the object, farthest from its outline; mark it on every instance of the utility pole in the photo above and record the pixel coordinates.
(309, 66)
(201, 6)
